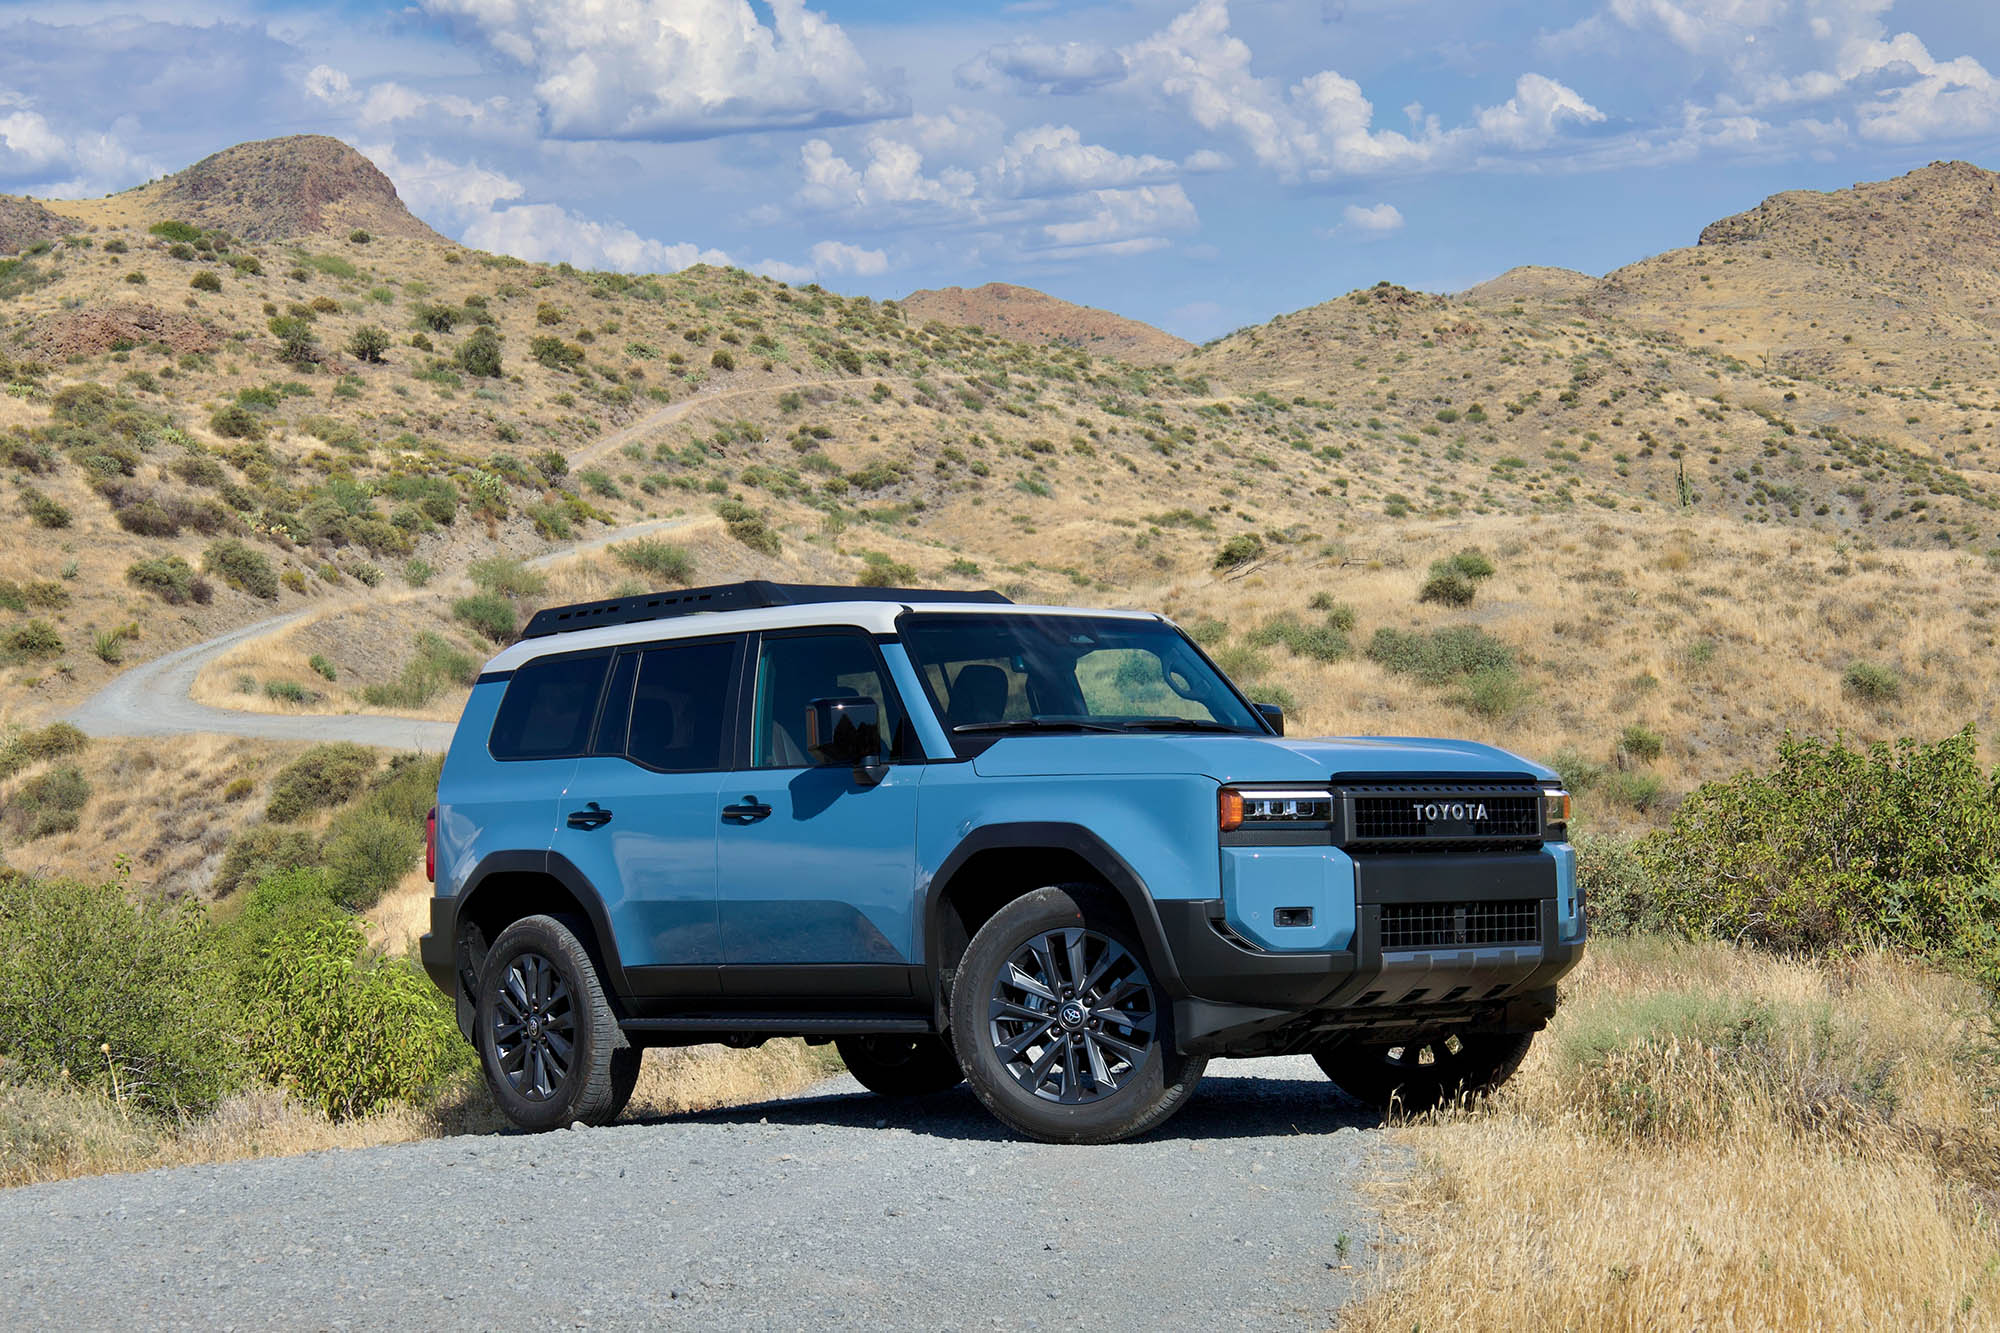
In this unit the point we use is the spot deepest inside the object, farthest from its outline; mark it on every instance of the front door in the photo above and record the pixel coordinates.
(816, 868)
(638, 818)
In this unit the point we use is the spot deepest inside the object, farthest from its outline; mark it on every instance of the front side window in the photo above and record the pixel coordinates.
(794, 670)
(548, 708)
(992, 674)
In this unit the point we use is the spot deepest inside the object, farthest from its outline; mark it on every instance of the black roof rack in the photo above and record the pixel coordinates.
(743, 596)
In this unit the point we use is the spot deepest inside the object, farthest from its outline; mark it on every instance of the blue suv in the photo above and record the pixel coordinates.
(1053, 852)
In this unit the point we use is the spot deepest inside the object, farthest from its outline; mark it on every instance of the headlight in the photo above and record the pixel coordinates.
(1555, 813)
(1271, 809)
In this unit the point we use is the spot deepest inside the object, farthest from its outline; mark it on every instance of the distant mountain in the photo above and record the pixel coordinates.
(1026, 315)
(276, 189)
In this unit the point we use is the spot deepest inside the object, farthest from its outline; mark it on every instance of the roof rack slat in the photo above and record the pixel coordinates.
(747, 595)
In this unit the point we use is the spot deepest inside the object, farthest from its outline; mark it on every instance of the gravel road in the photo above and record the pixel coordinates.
(836, 1209)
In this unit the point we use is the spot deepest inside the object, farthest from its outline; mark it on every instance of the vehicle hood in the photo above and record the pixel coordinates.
(1254, 758)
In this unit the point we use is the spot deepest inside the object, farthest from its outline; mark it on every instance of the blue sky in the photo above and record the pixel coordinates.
(1200, 164)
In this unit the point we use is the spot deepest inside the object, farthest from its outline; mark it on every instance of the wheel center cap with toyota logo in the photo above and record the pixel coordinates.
(1071, 1014)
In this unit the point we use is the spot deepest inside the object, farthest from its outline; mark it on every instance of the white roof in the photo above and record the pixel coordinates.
(875, 617)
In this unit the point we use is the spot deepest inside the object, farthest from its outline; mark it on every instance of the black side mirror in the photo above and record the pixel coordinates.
(1274, 715)
(844, 731)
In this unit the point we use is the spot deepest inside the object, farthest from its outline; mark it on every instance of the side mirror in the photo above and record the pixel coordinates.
(844, 731)
(1274, 715)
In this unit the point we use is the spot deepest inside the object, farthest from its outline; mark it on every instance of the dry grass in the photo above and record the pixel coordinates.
(51, 1133)
(1710, 1138)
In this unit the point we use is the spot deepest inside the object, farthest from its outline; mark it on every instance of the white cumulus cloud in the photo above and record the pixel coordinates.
(840, 257)
(1042, 67)
(440, 191)
(551, 234)
(1377, 219)
(1054, 159)
(38, 158)
(679, 69)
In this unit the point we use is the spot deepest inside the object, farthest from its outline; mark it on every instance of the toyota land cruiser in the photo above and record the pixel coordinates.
(1054, 852)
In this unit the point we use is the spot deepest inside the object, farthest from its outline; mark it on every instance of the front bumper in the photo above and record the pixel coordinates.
(1239, 998)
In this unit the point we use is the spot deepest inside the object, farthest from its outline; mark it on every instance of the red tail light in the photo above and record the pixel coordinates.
(431, 845)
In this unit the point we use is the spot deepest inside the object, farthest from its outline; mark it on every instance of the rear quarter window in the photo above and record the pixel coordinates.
(548, 708)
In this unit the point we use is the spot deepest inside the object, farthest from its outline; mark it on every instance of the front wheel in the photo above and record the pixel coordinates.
(1063, 1033)
(1421, 1075)
(892, 1066)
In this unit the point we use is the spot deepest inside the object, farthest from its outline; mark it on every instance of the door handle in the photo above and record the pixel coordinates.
(747, 811)
(591, 816)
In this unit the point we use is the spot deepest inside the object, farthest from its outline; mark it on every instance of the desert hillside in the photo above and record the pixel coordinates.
(1637, 524)
(1026, 315)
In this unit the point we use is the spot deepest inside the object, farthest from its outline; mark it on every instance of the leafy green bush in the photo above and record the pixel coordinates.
(660, 559)
(479, 355)
(46, 512)
(1440, 656)
(37, 638)
(488, 614)
(1838, 848)
(119, 996)
(286, 691)
(1322, 643)
(49, 802)
(1637, 791)
(1641, 743)
(437, 663)
(417, 572)
(1871, 683)
(505, 576)
(368, 343)
(172, 229)
(1495, 692)
(1471, 562)
(348, 1034)
(748, 526)
(436, 318)
(1578, 773)
(171, 579)
(325, 669)
(1617, 892)
(24, 748)
(1447, 587)
(205, 281)
(263, 850)
(1239, 550)
(241, 566)
(322, 777)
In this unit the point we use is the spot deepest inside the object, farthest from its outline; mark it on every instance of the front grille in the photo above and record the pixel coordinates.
(1433, 814)
(1460, 925)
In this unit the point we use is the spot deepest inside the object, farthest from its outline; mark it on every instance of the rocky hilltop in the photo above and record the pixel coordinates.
(1026, 315)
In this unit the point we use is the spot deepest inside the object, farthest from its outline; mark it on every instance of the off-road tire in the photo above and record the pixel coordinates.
(1149, 1089)
(1422, 1075)
(577, 1013)
(897, 1066)
(625, 1063)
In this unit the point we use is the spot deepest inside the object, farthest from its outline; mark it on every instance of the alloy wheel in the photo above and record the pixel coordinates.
(534, 1027)
(1072, 1017)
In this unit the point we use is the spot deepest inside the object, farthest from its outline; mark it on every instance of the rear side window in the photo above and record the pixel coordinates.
(549, 706)
(680, 706)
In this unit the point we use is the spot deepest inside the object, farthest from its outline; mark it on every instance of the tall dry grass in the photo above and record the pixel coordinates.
(1707, 1137)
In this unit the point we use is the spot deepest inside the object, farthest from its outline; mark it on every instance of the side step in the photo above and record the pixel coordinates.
(782, 1025)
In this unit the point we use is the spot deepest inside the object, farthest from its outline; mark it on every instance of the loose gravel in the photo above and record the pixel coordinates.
(834, 1210)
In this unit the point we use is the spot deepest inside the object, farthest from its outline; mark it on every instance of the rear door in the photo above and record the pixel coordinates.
(638, 818)
(817, 870)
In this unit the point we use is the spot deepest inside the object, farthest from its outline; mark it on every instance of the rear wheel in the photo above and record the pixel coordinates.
(546, 1036)
(1063, 1033)
(1424, 1074)
(894, 1066)
(625, 1062)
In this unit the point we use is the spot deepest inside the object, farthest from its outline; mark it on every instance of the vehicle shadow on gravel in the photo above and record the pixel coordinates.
(1222, 1108)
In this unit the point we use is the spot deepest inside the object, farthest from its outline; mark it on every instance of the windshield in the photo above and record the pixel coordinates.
(991, 674)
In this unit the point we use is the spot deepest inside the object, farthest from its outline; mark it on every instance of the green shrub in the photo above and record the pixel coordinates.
(298, 345)
(52, 801)
(24, 748)
(1841, 848)
(417, 572)
(46, 512)
(1617, 893)
(491, 616)
(1239, 550)
(172, 229)
(1578, 773)
(286, 691)
(436, 318)
(1871, 683)
(659, 559)
(205, 281)
(1641, 743)
(1496, 692)
(368, 343)
(234, 421)
(87, 969)
(240, 566)
(1440, 656)
(505, 576)
(748, 526)
(322, 777)
(436, 664)
(171, 579)
(263, 850)
(1322, 643)
(479, 355)
(37, 638)
(323, 667)
(347, 1034)
(722, 360)
(1472, 563)
(1447, 587)
(1639, 791)
(375, 842)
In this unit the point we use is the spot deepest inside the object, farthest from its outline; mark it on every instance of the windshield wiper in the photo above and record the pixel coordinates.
(1182, 724)
(1034, 724)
